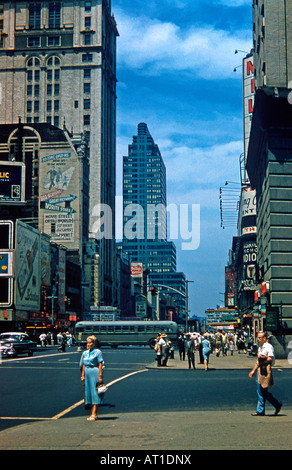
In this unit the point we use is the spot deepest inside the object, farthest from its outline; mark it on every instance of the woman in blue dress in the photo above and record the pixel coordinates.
(91, 363)
(206, 350)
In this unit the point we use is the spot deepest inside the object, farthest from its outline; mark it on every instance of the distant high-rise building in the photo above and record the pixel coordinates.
(272, 42)
(58, 65)
(145, 214)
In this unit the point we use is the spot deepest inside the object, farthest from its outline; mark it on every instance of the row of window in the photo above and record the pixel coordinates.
(54, 15)
(55, 41)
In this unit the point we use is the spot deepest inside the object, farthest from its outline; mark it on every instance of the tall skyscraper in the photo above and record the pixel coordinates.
(58, 65)
(145, 214)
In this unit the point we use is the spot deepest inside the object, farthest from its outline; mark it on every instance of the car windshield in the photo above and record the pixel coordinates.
(5, 337)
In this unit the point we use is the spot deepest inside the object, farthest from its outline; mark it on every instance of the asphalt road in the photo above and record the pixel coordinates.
(48, 385)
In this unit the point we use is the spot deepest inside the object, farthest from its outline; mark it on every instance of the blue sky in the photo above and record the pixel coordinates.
(175, 70)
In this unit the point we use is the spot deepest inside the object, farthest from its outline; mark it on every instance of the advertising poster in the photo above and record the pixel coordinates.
(12, 182)
(45, 262)
(59, 197)
(27, 267)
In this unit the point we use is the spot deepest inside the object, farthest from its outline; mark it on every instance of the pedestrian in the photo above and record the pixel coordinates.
(206, 350)
(201, 337)
(191, 349)
(163, 349)
(63, 342)
(181, 347)
(91, 365)
(218, 342)
(43, 339)
(224, 343)
(263, 365)
(231, 344)
(59, 337)
(156, 347)
(241, 343)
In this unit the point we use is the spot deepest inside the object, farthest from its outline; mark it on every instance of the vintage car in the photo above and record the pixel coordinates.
(13, 344)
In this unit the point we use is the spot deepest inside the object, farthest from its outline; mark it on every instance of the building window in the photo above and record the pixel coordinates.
(86, 120)
(87, 39)
(87, 22)
(86, 88)
(33, 87)
(87, 57)
(53, 89)
(34, 41)
(54, 15)
(49, 106)
(34, 16)
(54, 41)
(87, 6)
(87, 74)
(86, 104)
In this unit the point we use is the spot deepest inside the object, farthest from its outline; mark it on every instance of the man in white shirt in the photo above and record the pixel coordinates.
(264, 362)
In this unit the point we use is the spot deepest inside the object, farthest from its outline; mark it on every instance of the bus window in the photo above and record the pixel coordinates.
(149, 328)
(141, 328)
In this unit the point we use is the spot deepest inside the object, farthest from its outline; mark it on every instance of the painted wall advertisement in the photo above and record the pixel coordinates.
(27, 267)
(59, 197)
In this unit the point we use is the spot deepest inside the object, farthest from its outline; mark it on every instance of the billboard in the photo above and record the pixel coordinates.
(12, 182)
(249, 281)
(59, 196)
(137, 270)
(248, 99)
(27, 267)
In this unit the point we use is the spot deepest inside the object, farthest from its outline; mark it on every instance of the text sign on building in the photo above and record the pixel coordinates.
(248, 98)
(136, 269)
(12, 182)
(249, 265)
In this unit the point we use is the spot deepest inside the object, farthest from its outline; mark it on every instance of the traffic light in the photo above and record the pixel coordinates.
(153, 290)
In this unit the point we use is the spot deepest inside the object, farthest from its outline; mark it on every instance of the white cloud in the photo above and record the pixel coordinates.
(205, 166)
(153, 46)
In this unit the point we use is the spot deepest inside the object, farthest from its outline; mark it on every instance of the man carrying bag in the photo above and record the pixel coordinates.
(265, 376)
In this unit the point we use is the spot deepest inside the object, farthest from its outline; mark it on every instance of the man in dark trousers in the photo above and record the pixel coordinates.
(265, 377)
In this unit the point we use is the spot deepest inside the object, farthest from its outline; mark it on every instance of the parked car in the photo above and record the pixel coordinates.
(12, 344)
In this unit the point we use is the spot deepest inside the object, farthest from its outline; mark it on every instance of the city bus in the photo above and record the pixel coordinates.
(125, 333)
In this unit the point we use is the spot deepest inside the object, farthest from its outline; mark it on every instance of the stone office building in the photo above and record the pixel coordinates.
(58, 66)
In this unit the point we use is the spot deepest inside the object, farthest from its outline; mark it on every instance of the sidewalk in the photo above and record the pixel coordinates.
(237, 361)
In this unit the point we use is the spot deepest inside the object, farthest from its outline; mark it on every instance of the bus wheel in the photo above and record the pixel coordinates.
(152, 343)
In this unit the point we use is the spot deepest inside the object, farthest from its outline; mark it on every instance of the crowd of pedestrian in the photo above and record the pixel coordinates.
(63, 339)
(219, 342)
